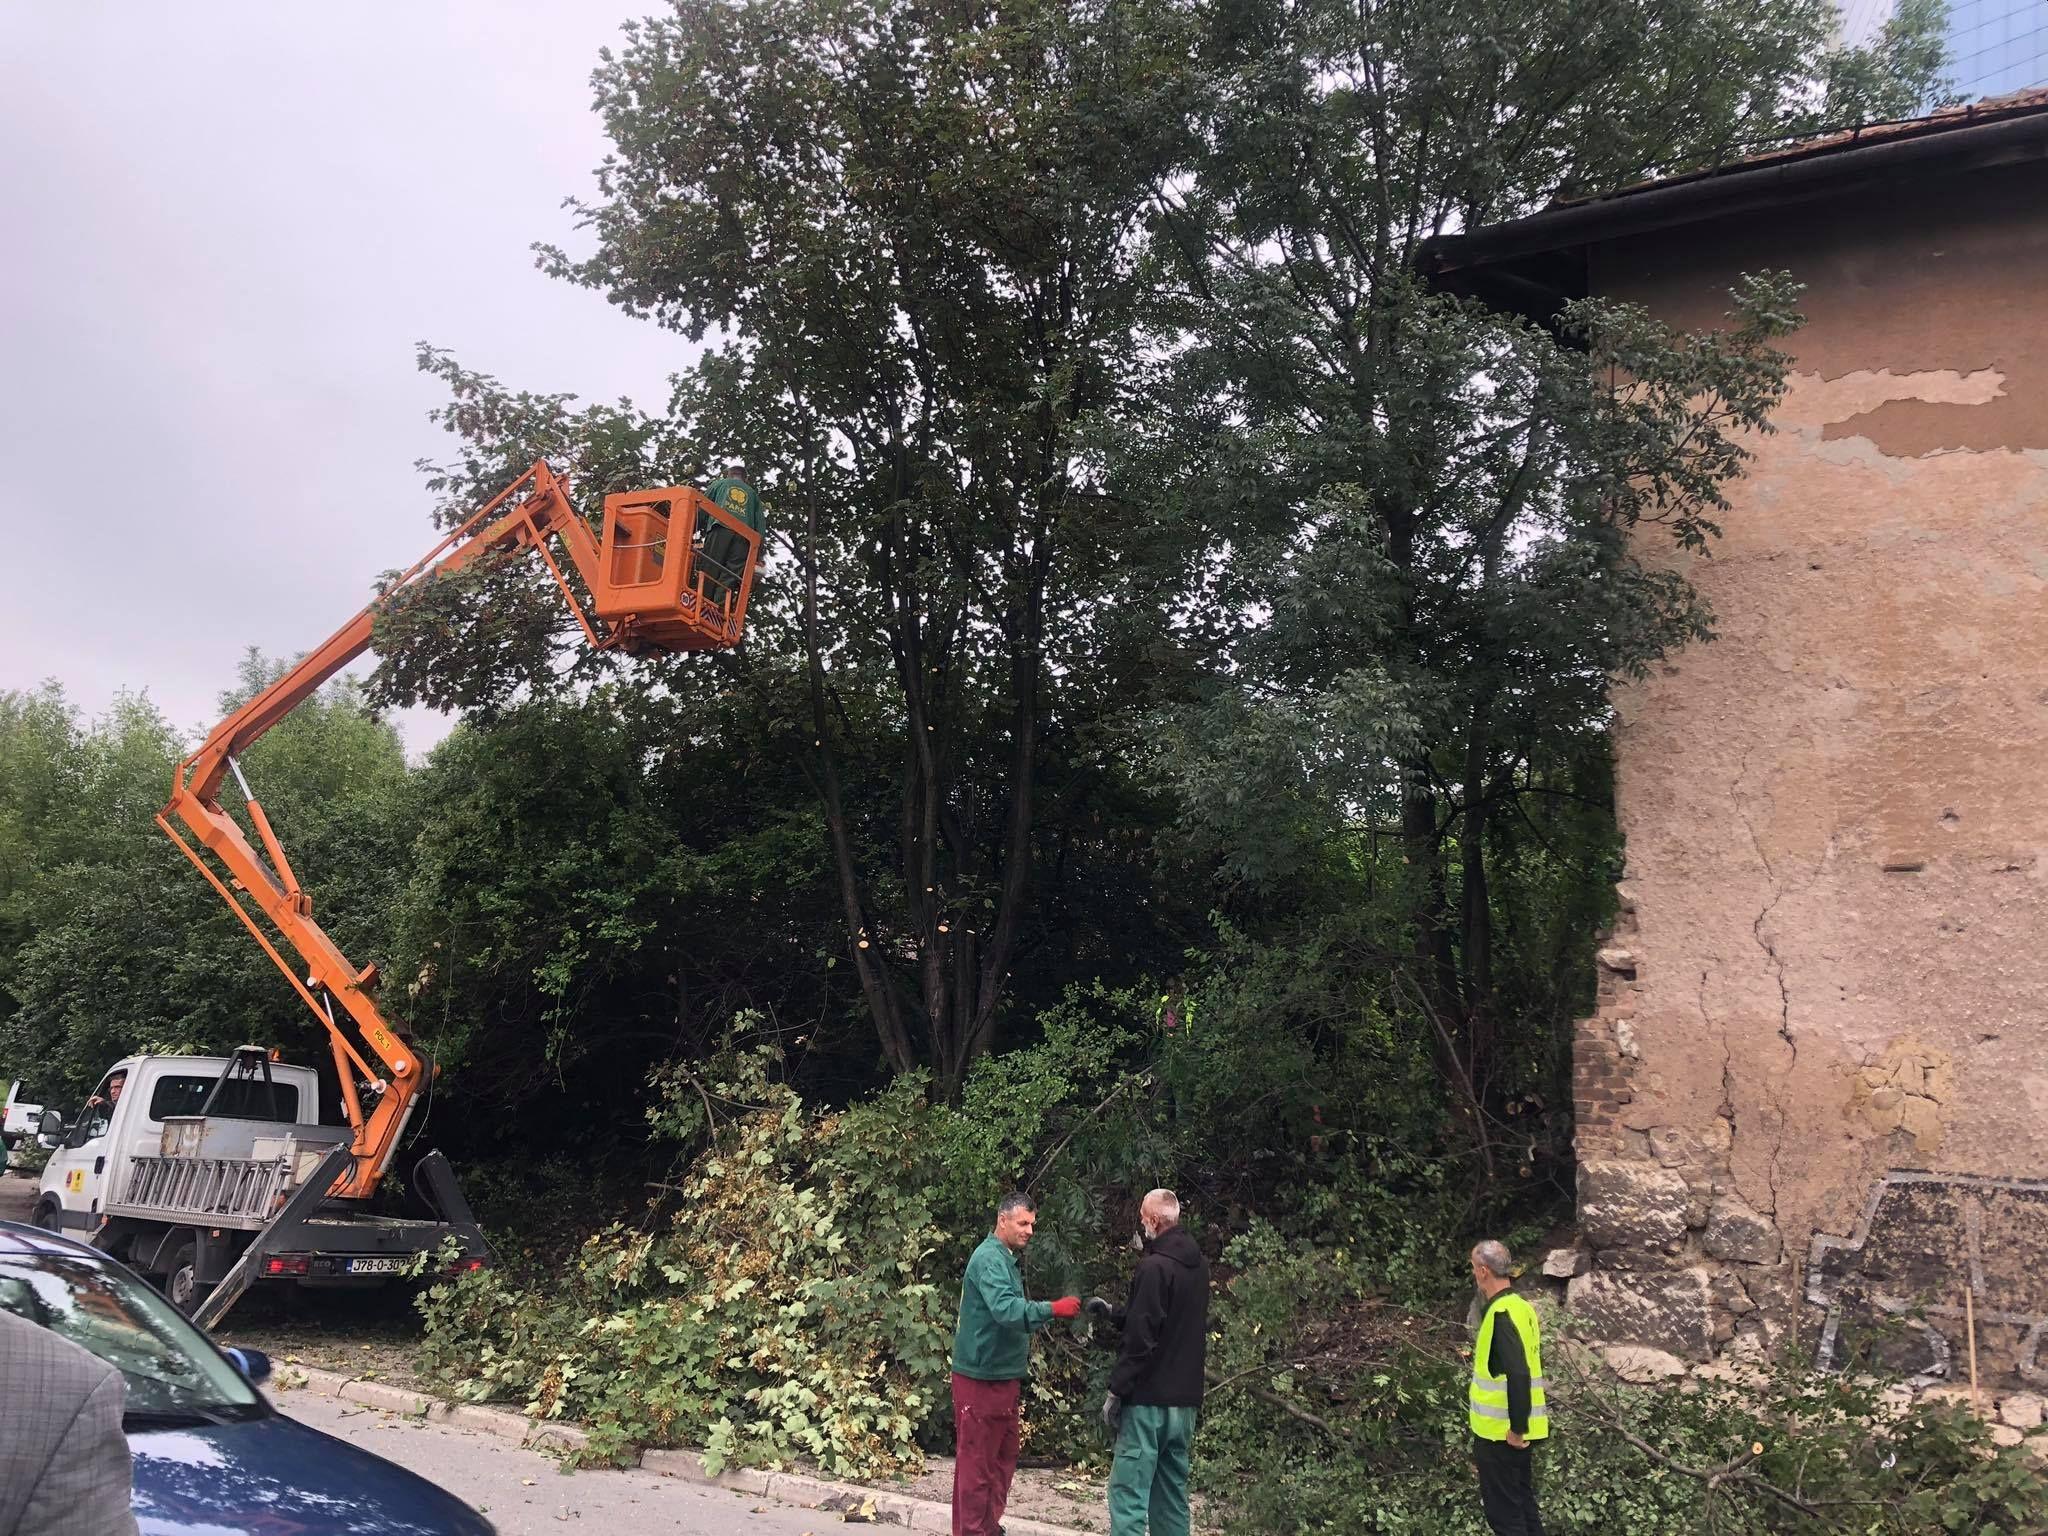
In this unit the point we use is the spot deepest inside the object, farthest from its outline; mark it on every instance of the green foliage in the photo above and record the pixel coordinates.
(915, 234)
(1336, 1411)
(1902, 72)
(1077, 353)
(618, 859)
(1452, 548)
(117, 942)
(1171, 597)
(75, 803)
(796, 1296)
(787, 1306)
(1019, 1103)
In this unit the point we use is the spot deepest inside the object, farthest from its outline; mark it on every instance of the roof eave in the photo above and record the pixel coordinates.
(1478, 262)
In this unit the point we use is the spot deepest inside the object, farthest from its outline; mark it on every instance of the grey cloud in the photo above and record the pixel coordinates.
(225, 226)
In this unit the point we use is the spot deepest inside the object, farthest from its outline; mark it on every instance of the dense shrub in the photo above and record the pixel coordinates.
(793, 1299)
(795, 1294)
(787, 1306)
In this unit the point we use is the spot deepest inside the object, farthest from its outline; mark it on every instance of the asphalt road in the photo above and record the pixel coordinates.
(525, 1493)
(17, 1197)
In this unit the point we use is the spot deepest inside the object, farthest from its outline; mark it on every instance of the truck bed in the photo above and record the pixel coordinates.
(315, 1239)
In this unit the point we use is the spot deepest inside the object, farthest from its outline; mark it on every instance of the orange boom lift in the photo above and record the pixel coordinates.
(652, 591)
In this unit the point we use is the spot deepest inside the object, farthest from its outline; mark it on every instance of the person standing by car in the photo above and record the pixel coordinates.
(64, 1464)
(991, 1357)
(1155, 1388)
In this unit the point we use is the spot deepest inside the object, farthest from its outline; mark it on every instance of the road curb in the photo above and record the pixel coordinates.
(800, 1489)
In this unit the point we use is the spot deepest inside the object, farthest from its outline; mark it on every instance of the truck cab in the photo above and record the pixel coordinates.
(126, 1115)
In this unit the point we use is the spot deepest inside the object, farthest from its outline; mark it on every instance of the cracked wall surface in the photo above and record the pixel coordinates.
(1830, 965)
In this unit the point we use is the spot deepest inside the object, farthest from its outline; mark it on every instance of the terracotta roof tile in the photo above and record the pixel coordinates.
(1992, 109)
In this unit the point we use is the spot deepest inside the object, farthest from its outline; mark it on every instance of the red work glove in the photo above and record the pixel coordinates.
(1066, 1307)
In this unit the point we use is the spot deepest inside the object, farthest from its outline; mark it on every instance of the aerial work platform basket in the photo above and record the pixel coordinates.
(668, 570)
(675, 571)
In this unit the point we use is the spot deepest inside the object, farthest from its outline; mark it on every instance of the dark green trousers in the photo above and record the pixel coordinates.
(1148, 1483)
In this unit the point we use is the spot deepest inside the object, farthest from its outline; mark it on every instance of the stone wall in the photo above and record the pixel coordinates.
(1676, 1259)
(1814, 1093)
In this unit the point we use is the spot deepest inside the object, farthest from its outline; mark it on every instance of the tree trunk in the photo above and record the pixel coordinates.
(1475, 917)
(874, 980)
(1429, 905)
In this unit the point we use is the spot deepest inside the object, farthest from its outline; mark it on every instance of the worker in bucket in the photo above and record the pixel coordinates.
(722, 552)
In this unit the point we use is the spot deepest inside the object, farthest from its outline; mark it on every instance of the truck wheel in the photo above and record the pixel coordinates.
(46, 1217)
(181, 1279)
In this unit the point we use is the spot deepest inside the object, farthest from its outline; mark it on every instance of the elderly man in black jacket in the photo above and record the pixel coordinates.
(1155, 1388)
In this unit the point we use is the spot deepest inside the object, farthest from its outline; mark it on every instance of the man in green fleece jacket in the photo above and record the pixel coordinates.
(991, 1357)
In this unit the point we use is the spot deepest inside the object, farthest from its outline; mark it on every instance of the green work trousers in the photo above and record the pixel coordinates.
(1148, 1484)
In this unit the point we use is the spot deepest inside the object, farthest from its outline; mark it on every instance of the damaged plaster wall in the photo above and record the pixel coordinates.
(1830, 966)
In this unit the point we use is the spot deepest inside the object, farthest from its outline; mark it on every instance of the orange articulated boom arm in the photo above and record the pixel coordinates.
(679, 606)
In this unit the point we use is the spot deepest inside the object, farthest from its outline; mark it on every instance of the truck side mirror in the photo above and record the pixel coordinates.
(50, 1129)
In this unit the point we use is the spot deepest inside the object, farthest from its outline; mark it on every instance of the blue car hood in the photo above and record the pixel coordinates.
(276, 1477)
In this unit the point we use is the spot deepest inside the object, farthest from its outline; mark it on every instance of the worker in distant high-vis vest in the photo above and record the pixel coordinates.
(1507, 1408)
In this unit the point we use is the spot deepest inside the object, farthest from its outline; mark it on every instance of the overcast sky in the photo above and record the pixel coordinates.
(223, 226)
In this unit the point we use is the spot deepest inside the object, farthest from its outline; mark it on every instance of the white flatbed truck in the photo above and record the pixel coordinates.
(212, 1173)
(213, 1187)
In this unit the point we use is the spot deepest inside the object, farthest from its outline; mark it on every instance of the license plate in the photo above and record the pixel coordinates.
(376, 1266)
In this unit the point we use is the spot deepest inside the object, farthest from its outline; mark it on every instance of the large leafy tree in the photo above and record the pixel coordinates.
(915, 235)
(591, 892)
(1079, 352)
(1452, 549)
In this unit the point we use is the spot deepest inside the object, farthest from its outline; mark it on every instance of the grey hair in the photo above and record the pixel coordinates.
(1495, 1256)
(1015, 1200)
(1164, 1205)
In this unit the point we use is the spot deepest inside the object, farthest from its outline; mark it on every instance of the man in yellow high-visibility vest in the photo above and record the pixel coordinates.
(1507, 1408)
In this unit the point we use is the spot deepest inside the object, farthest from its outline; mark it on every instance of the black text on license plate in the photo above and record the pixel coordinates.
(376, 1266)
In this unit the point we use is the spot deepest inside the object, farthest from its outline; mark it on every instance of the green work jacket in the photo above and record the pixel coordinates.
(993, 1341)
(738, 498)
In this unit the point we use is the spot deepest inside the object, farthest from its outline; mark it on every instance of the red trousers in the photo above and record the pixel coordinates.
(985, 1456)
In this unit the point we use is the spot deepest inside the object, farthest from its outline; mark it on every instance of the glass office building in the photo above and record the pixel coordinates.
(1994, 46)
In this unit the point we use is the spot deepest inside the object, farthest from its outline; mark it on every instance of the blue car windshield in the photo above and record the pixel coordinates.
(170, 1369)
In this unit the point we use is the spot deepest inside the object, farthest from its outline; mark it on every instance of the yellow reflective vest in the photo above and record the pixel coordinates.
(1489, 1402)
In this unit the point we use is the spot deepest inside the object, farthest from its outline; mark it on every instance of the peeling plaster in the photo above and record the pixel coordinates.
(1906, 1089)
(1878, 419)
(1810, 398)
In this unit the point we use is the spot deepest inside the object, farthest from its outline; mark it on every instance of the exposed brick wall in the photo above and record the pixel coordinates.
(1602, 1074)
